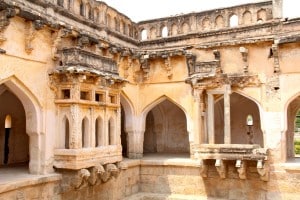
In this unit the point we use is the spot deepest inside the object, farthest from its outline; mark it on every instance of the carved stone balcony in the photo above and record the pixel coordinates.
(76, 159)
(240, 153)
(76, 59)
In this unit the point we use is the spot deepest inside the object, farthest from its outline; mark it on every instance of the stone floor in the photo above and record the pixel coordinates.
(15, 177)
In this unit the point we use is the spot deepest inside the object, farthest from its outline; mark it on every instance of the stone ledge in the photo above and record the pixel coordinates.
(86, 157)
(292, 165)
(25, 180)
(154, 196)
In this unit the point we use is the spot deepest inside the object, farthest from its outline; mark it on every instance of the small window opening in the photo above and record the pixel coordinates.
(249, 123)
(84, 95)
(144, 34)
(112, 99)
(66, 94)
(67, 133)
(233, 21)
(99, 97)
(81, 9)
(90, 14)
(6, 138)
(164, 32)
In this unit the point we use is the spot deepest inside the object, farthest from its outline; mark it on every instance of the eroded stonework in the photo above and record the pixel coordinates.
(194, 106)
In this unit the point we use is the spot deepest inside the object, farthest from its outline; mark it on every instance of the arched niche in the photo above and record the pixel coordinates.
(233, 20)
(166, 129)
(241, 131)
(85, 133)
(99, 132)
(32, 120)
(14, 141)
(144, 34)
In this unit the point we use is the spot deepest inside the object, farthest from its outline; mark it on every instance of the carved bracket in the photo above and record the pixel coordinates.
(4, 21)
(244, 52)
(145, 66)
(241, 168)
(30, 33)
(94, 175)
(221, 168)
(263, 170)
(168, 66)
(276, 58)
(190, 62)
(80, 178)
(203, 169)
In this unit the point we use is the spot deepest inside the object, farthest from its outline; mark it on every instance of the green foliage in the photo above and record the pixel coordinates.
(297, 147)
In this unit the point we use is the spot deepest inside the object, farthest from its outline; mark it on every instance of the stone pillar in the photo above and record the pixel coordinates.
(210, 119)
(75, 141)
(135, 141)
(197, 118)
(277, 9)
(227, 135)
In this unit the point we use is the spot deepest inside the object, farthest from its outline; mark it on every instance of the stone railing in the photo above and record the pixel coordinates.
(91, 12)
(243, 15)
(78, 58)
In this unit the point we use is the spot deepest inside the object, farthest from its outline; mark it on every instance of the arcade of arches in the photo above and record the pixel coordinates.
(93, 105)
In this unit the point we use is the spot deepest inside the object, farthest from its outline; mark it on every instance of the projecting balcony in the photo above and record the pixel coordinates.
(76, 159)
(78, 60)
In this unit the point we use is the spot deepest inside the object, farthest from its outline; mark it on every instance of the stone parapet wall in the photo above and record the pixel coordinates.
(217, 19)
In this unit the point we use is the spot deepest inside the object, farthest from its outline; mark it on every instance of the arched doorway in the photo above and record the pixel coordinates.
(123, 133)
(242, 131)
(293, 131)
(14, 141)
(166, 130)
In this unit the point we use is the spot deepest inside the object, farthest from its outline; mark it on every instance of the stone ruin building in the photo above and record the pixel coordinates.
(94, 106)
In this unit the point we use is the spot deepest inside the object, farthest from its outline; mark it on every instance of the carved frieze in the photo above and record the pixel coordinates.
(77, 58)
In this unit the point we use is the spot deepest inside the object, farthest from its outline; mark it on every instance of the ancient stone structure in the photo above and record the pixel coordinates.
(194, 106)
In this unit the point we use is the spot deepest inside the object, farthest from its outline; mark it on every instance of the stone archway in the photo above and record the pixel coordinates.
(292, 110)
(14, 142)
(240, 108)
(166, 129)
(32, 120)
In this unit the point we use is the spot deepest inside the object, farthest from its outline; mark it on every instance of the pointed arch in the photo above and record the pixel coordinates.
(85, 132)
(291, 109)
(65, 133)
(33, 120)
(241, 106)
(158, 101)
(99, 132)
(165, 127)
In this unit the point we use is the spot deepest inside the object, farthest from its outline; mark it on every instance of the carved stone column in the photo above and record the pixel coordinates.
(227, 135)
(135, 140)
(210, 119)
